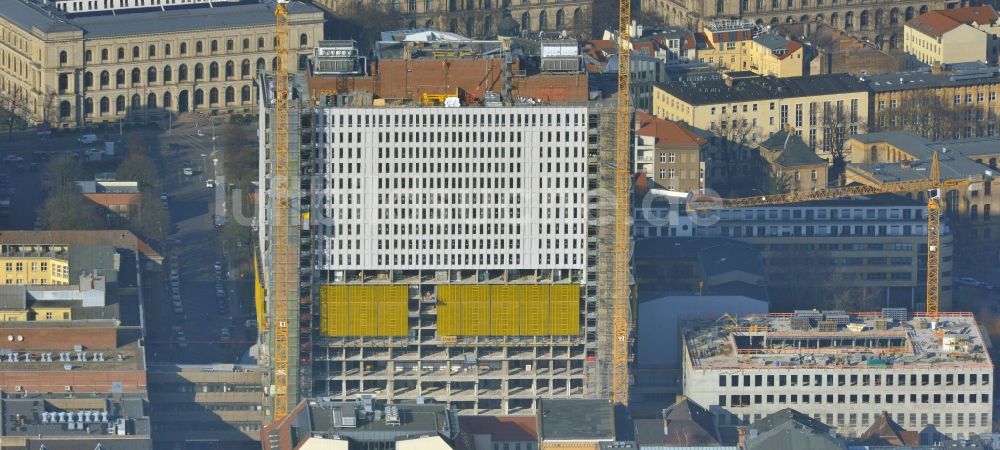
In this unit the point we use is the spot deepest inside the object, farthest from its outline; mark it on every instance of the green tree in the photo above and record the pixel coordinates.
(67, 209)
(61, 173)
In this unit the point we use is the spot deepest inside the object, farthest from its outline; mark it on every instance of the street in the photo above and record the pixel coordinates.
(193, 249)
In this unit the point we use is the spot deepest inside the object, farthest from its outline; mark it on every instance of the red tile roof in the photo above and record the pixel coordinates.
(501, 428)
(793, 46)
(667, 132)
(937, 23)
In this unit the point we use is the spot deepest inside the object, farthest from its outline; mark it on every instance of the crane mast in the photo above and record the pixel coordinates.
(286, 260)
(623, 213)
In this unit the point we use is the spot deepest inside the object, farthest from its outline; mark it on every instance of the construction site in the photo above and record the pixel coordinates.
(844, 369)
(428, 232)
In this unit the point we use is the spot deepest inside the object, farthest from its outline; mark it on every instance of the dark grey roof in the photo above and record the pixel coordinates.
(94, 258)
(181, 20)
(14, 297)
(789, 429)
(29, 16)
(326, 418)
(794, 151)
(772, 41)
(689, 424)
(966, 74)
(575, 420)
(957, 161)
(709, 92)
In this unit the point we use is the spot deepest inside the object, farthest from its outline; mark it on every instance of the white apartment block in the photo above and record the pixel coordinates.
(451, 188)
(843, 370)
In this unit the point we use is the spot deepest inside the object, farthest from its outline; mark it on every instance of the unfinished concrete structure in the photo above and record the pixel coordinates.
(843, 369)
(450, 248)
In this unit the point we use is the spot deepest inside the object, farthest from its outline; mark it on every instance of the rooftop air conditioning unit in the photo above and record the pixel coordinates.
(18, 388)
(68, 388)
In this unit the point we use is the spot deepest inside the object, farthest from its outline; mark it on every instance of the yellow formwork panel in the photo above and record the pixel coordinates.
(449, 310)
(259, 294)
(505, 310)
(363, 310)
(534, 302)
(334, 312)
(475, 319)
(361, 301)
(565, 301)
(392, 305)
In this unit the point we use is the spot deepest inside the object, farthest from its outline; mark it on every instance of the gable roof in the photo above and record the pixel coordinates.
(789, 429)
(667, 132)
(687, 423)
(937, 23)
(885, 431)
(794, 151)
(575, 419)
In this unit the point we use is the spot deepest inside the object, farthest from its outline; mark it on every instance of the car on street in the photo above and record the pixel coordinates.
(225, 334)
(210, 183)
(188, 171)
(87, 139)
(12, 159)
(44, 133)
(986, 285)
(220, 293)
(217, 265)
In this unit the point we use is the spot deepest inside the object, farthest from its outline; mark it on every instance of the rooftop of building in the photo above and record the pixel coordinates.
(667, 132)
(111, 416)
(120, 239)
(683, 424)
(575, 420)
(938, 22)
(127, 357)
(108, 187)
(710, 92)
(835, 339)
(371, 421)
(954, 75)
(777, 44)
(956, 157)
(501, 428)
(29, 15)
(885, 431)
(794, 151)
(789, 429)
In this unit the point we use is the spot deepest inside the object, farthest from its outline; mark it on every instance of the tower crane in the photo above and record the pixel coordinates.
(285, 257)
(932, 185)
(621, 327)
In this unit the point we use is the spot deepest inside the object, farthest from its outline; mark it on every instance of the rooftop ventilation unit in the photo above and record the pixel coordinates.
(392, 415)
(338, 58)
(560, 56)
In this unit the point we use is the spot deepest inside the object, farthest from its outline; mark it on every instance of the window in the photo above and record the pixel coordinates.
(303, 40)
(166, 49)
(104, 55)
(184, 48)
(135, 52)
(121, 53)
(199, 47)
(152, 51)
(63, 57)
(229, 45)
(672, 157)
(260, 43)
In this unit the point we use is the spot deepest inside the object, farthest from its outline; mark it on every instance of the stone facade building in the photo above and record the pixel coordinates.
(71, 70)
(484, 18)
(881, 22)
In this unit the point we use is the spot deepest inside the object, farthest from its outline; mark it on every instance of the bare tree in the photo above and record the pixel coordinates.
(933, 117)
(838, 123)
(776, 183)
(16, 111)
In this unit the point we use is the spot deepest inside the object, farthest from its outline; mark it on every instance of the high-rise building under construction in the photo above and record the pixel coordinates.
(451, 244)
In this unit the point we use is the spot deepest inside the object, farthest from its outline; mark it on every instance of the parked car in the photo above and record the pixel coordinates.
(87, 139)
(188, 171)
(225, 334)
(968, 281)
(210, 184)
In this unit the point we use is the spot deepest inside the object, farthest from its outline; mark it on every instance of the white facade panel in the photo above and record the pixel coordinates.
(451, 188)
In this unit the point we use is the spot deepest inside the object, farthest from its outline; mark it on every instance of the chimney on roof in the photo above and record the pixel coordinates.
(741, 439)
(905, 164)
(728, 80)
(936, 69)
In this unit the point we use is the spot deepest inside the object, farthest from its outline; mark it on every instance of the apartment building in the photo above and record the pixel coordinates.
(88, 68)
(793, 162)
(669, 154)
(875, 246)
(741, 45)
(950, 36)
(817, 107)
(843, 369)
(448, 252)
(961, 97)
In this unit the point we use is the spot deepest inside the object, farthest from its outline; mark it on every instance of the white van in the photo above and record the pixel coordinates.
(87, 139)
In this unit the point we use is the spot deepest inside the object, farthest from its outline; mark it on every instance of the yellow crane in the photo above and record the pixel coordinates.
(933, 185)
(285, 260)
(621, 327)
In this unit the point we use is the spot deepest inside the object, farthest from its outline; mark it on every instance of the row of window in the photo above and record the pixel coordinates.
(810, 230)
(842, 420)
(153, 75)
(447, 118)
(34, 267)
(151, 50)
(746, 400)
(822, 214)
(960, 379)
(183, 98)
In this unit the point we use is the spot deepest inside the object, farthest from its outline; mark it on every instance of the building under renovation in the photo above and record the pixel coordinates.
(844, 369)
(449, 249)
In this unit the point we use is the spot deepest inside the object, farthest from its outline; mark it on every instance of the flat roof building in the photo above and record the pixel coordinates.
(33, 422)
(843, 369)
